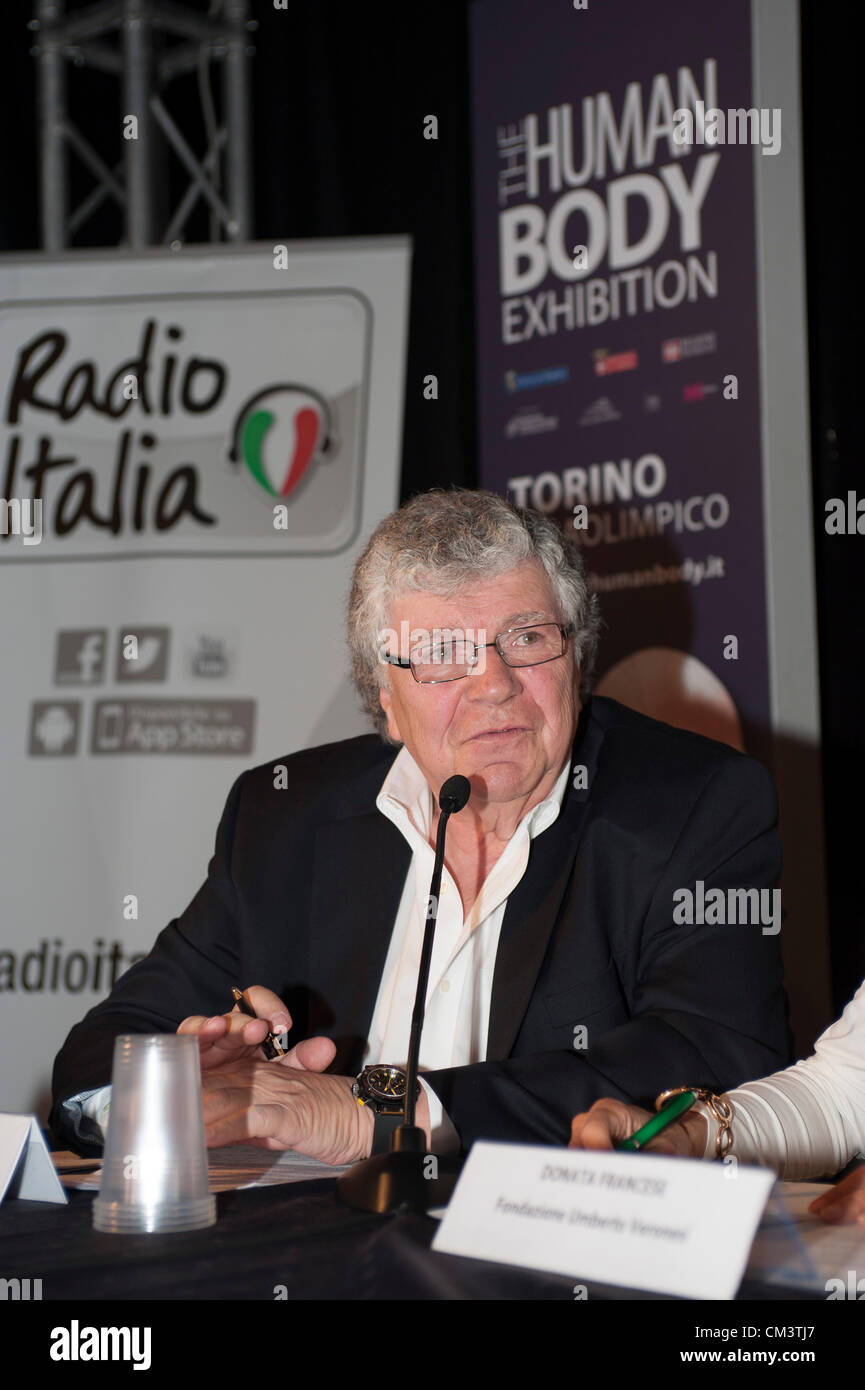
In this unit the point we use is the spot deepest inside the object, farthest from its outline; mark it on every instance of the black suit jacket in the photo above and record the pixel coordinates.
(304, 885)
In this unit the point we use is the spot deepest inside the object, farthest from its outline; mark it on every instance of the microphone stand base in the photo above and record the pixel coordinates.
(400, 1182)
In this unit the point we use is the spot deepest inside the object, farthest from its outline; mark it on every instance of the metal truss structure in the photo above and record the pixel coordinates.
(145, 44)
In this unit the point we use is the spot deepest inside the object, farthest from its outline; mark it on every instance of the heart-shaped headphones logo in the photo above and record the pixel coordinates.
(278, 433)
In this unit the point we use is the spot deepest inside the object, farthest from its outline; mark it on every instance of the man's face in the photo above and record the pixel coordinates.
(508, 729)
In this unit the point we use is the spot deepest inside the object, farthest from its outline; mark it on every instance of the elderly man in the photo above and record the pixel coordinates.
(559, 973)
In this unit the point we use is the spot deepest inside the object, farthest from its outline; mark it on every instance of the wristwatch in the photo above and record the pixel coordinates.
(382, 1088)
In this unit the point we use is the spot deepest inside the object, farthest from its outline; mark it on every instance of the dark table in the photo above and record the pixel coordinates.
(297, 1235)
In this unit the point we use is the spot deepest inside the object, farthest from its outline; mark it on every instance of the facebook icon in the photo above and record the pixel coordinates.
(80, 656)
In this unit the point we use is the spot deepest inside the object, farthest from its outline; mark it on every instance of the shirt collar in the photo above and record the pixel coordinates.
(405, 798)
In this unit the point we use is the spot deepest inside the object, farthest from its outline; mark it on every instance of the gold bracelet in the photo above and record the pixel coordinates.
(719, 1107)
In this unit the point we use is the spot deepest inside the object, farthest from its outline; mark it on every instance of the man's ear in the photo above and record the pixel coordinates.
(387, 705)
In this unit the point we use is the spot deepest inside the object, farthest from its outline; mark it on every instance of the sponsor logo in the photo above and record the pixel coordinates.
(210, 656)
(697, 345)
(699, 390)
(136, 725)
(599, 412)
(527, 381)
(142, 654)
(277, 436)
(79, 656)
(53, 968)
(172, 726)
(54, 728)
(154, 426)
(606, 362)
(529, 422)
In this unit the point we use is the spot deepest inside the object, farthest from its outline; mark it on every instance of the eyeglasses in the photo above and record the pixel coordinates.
(452, 658)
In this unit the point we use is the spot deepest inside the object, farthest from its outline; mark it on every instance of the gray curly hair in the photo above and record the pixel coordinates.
(438, 542)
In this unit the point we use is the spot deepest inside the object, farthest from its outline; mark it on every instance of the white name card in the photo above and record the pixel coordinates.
(669, 1225)
(26, 1169)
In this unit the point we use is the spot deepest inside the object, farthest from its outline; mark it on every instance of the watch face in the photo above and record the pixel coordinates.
(386, 1083)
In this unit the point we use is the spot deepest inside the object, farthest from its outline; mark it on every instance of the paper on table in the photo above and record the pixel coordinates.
(25, 1163)
(795, 1249)
(666, 1225)
(240, 1165)
(237, 1166)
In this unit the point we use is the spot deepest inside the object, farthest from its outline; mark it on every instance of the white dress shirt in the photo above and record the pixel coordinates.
(464, 953)
(466, 939)
(809, 1120)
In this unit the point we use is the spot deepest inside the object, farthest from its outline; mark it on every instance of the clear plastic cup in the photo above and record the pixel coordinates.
(154, 1169)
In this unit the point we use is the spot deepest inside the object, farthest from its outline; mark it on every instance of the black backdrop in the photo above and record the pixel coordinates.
(339, 96)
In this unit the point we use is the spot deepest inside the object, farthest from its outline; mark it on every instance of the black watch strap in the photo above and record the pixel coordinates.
(385, 1125)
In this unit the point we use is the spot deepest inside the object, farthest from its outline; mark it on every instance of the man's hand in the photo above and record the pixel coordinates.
(844, 1202)
(283, 1107)
(232, 1037)
(609, 1121)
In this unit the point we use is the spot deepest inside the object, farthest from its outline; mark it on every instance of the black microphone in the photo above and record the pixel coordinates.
(453, 796)
(398, 1181)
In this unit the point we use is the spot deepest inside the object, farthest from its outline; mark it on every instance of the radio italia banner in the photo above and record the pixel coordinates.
(614, 151)
(194, 448)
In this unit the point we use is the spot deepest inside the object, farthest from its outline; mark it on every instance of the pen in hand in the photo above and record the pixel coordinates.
(653, 1127)
(271, 1047)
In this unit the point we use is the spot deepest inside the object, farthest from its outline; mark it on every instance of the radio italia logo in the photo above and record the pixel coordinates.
(279, 434)
(166, 430)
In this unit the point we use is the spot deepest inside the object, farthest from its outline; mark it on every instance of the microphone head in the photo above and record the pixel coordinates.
(454, 794)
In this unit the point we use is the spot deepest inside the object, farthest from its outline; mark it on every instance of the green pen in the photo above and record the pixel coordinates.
(670, 1112)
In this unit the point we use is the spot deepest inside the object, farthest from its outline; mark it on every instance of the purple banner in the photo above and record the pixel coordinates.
(614, 152)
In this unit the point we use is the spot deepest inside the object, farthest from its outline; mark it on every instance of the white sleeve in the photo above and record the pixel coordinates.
(443, 1136)
(807, 1121)
(92, 1106)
